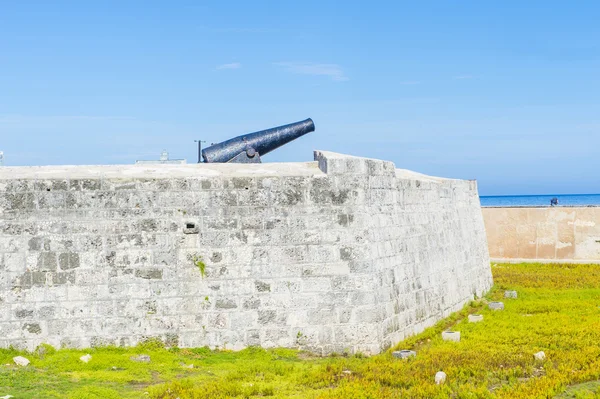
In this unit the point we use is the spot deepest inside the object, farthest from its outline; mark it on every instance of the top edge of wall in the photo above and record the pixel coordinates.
(333, 163)
(158, 171)
(326, 163)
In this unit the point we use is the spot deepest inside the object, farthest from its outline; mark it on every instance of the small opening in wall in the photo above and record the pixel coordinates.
(47, 189)
(190, 225)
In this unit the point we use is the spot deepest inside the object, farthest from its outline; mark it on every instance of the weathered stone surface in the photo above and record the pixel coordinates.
(496, 305)
(539, 355)
(32, 328)
(341, 254)
(510, 294)
(68, 261)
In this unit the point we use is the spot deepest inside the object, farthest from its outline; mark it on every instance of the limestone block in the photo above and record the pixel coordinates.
(496, 305)
(21, 361)
(475, 318)
(453, 336)
(510, 294)
(404, 354)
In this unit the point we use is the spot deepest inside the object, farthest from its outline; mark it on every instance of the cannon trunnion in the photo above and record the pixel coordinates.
(248, 148)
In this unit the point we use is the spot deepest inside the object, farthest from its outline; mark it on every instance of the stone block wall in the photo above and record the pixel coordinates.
(558, 233)
(340, 254)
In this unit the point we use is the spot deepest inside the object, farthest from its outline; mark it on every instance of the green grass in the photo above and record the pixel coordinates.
(557, 311)
(587, 390)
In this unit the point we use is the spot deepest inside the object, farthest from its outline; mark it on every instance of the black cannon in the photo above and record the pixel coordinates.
(248, 148)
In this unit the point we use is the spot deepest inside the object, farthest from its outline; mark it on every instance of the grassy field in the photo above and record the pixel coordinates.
(557, 311)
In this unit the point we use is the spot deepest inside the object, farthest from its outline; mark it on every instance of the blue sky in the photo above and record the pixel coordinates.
(507, 93)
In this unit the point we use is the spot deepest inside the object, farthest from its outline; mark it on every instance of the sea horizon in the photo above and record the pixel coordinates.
(539, 200)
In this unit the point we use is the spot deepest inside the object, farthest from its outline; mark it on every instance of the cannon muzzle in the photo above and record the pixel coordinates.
(248, 148)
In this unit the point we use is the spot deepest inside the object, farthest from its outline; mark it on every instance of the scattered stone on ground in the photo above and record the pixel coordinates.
(21, 361)
(453, 336)
(6, 397)
(348, 372)
(510, 294)
(540, 355)
(440, 377)
(475, 318)
(404, 354)
(140, 358)
(496, 305)
(86, 358)
(187, 366)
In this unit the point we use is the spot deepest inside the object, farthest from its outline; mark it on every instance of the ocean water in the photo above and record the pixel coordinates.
(541, 200)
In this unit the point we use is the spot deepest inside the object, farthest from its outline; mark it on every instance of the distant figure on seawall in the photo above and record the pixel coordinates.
(554, 201)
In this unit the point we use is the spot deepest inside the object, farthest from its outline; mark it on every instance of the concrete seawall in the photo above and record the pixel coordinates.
(558, 233)
(340, 254)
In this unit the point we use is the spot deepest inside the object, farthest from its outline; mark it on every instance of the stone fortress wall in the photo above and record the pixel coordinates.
(340, 254)
(544, 233)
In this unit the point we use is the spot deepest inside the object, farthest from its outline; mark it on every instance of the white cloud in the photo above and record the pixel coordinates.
(233, 65)
(333, 71)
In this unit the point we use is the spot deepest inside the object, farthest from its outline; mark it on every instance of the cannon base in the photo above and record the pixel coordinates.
(244, 157)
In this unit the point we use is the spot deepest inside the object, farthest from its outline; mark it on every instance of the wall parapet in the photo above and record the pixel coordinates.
(340, 254)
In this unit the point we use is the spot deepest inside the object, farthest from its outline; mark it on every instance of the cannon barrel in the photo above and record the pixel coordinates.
(249, 147)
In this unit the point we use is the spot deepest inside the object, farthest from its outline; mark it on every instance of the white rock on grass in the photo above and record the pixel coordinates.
(404, 354)
(510, 294)
(21, 361)
(86, 358)
(496, 305)
(6, 397)
(453, 336)
(140, 359)
(440, 377)
(540, 355)
(475, 318)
